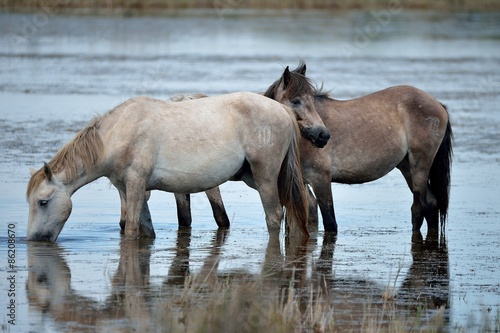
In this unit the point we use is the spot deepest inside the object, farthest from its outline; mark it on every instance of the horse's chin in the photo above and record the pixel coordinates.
(44, 236)
(316, 143)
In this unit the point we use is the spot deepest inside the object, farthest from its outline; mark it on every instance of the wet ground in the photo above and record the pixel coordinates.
(57, 72)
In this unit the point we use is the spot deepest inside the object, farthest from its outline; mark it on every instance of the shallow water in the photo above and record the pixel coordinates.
(56, 74)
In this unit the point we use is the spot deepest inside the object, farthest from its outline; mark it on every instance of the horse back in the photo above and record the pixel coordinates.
(192, 145)
(372, 134)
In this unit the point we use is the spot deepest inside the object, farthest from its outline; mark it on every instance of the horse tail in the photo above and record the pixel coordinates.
(292, 191)
(439, 175)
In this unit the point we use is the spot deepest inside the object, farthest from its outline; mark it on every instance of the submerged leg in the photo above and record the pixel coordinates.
(183, 202)
(218, 209)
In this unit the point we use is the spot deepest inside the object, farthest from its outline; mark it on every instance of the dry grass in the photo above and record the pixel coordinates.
(244, 305)
(264, 4)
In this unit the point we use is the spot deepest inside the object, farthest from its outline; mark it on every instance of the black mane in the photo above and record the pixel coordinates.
(297, 86)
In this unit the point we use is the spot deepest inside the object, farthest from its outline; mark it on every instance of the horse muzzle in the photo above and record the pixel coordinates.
(42, 237)
(318, 136)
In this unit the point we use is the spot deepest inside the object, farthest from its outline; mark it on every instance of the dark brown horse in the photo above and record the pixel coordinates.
(399, 127)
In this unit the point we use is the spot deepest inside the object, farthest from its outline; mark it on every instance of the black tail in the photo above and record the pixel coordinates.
(440, 173)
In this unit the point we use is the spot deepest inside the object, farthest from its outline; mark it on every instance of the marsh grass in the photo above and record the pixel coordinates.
(243, 304)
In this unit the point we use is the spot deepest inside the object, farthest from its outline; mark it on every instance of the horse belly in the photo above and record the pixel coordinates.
(366, 165)
(185, 172)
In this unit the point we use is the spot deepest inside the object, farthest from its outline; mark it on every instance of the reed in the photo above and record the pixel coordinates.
(247, 305)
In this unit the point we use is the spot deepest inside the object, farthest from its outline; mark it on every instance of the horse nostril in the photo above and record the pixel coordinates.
(41, 237)
(324, 135)
(42, 278)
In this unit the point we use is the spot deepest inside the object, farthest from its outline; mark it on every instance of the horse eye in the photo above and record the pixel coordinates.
(296, 101)
(43, 203)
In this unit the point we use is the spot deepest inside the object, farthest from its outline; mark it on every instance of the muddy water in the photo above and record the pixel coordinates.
(58, 71)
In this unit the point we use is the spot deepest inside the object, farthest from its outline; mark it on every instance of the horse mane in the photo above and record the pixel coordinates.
(86, 148)
(298, 84)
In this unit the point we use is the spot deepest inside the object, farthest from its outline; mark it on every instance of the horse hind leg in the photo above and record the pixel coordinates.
(424, 202)
(267, 187)
(146, 228)
(123, 212)
(431, 210)
(218, 209)
(183, 202)
(274, 211)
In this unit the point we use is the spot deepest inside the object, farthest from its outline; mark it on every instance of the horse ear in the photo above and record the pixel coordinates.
(32, 171)
(286, 77)
(47, 171)
(302, 69)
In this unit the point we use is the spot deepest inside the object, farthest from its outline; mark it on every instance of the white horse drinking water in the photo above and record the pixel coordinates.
(186, 147)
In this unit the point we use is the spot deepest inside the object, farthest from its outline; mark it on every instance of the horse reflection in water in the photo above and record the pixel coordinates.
(428, 278)
(135, 304)
(49, 289)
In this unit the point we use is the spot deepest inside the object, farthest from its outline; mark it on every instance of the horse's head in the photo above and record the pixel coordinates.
(50, 205)
(295, 90)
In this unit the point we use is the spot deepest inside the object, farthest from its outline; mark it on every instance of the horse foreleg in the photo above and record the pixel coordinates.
(323, 191)
(137, 211)
(218, 209)
(183, 202)
(145, 215)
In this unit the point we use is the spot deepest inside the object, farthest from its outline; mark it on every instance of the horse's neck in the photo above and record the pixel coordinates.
(79, 179)
(325, 104)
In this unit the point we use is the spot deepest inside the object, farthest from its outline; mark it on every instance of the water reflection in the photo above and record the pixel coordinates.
(50, 290)
(304, 269)
(428, 278)
(49, 286)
